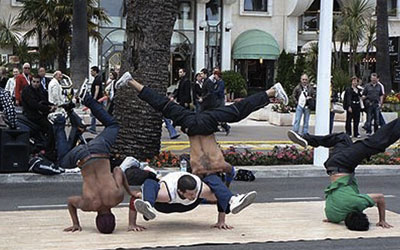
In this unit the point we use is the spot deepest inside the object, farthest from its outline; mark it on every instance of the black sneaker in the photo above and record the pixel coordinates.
(296, 138)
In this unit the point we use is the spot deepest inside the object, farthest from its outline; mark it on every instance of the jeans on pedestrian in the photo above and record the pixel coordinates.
(220, 190)
(346, 154)
(300, 111)
(204, 122)
(372, 114)
(171, 130)
(101, 144)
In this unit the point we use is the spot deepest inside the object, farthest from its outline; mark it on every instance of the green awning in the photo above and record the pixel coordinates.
(255, 44)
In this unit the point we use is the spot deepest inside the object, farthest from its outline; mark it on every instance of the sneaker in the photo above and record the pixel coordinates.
(123, 80)
(241, 201)
(129, 162)
(296, 138)
(59, 116)
(357, 136)
(145, 208)
(280, 93)
(83, 90)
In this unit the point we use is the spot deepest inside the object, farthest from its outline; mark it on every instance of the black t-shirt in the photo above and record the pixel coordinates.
(97, 82)
(3, 82)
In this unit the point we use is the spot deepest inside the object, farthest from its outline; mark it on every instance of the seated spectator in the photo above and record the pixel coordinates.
(36, 109)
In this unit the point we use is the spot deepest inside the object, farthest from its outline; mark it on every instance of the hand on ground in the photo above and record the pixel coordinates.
(136, 228)
(222, 226)
(73, 228)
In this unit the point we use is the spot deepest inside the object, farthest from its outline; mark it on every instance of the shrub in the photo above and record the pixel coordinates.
(234, 83)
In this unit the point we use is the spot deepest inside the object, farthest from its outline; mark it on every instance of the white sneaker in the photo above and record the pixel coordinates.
(145, 208)
(123, 80)
(296, 138)
(280, 93)
(241, 201)
(129, 162)
(54, 115)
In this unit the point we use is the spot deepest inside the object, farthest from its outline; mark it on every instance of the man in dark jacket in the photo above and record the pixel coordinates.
(36, 108)
(182, 92)
(209, 97)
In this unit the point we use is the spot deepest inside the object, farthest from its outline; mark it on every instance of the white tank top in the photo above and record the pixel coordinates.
(171, 182)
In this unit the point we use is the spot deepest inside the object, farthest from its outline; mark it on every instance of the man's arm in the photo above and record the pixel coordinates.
(122, 182)
(132, 226)
(96, 91)
(221, 222)
(380, 203)
(74, 202)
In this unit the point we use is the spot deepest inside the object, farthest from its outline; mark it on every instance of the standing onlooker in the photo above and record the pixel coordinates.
(373, 99)
(220, 94)
(381, 119)
(352, 105)
(10, 86)
(22, 80)
(110, 91)
(182, 91)
(303, 94)
(97, 93)
(44, 81)
(3, 77)
(198, 85)
(209, 99)
(55, 95)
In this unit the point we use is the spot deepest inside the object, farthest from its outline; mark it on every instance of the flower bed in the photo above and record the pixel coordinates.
(287, 155)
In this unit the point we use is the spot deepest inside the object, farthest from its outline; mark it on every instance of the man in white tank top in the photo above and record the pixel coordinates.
(180, 192)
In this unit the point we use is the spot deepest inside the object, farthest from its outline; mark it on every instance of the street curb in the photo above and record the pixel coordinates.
(280, 171)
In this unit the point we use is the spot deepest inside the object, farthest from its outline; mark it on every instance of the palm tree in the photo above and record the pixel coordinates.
(382, 45)
(369, 44)
(80, 43)
(9, 32)
(52, 22)
(356, 13)
(146, 55)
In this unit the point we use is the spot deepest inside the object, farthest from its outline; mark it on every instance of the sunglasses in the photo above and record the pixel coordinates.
(33, 81)
(27, 68)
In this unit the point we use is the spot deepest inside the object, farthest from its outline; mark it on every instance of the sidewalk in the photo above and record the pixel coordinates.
(278, 171)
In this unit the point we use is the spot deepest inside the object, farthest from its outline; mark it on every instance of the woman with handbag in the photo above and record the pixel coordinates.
(352, 105)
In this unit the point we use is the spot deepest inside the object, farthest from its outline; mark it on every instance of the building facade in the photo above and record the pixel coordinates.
(242, 35)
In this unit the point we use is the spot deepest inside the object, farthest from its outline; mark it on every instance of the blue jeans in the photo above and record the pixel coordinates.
(203, 122)
(372, 114)
(220, 190)
(299, 112)
(92, 122)
(171, 130)
(100, 144)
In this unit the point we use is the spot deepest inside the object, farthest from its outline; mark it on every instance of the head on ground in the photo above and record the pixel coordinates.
(105, 222)
(357, 221)
(187, 187)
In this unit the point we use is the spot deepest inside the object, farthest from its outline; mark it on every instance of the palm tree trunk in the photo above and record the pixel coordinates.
(63, 46)
(80, 43)
(146, 55)
(382, 45)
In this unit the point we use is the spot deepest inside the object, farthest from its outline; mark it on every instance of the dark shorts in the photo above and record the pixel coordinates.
(168, 208)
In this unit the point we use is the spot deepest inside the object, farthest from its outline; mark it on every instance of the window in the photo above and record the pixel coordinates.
(256, 5)
(392, 7)
(17, 3)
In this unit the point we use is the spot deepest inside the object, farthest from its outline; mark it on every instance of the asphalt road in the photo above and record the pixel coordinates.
(53, 196)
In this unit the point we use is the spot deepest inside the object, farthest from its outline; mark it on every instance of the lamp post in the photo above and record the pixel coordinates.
(323, 78)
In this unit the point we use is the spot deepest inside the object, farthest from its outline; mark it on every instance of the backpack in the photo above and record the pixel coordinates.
(244, 175)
